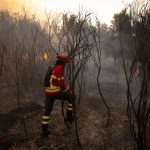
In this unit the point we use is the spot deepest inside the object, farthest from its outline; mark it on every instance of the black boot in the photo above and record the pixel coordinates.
(45, 131)
(69, 116)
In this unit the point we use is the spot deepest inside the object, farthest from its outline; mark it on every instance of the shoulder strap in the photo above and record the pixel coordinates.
(48, 76)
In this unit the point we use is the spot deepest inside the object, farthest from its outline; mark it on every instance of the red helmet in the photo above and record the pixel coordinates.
(63, 57)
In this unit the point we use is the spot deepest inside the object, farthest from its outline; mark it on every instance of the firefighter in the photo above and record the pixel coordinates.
(57, 89)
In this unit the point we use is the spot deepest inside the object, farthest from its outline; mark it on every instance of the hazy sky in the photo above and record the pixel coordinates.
(103, 9)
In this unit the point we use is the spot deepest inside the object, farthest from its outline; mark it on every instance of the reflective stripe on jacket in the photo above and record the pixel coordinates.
(56, 81)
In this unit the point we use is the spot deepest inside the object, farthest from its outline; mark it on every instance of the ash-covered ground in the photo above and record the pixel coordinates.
(91, 119)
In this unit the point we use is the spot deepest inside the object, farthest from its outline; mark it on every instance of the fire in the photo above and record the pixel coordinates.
(137, 71)
(45, 56)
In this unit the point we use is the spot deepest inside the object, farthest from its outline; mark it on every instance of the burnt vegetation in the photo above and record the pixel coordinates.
(108, 72)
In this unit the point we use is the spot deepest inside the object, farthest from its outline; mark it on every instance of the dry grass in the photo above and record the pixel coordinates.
(93, 133)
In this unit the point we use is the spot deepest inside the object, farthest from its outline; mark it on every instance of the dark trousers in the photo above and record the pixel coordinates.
(50, 99)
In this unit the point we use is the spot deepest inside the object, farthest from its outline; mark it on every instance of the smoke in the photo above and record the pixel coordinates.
(10, 5)
(15, 6)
